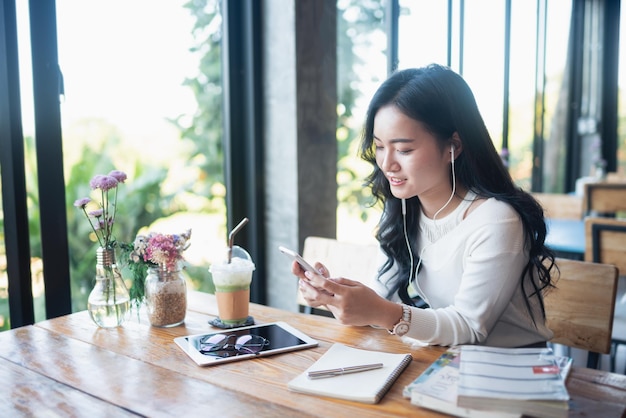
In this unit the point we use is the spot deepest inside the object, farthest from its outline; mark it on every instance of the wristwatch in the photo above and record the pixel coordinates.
(402, 327)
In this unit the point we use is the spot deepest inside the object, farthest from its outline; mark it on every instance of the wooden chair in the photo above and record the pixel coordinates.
(605, 242)
(604, 198)
(560, 205)
(343, 259)
(615, 177)
(580, 309)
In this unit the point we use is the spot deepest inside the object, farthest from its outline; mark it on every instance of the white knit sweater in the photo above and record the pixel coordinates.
(470, 277)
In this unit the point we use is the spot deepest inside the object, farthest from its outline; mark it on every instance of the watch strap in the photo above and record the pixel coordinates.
(404, 321)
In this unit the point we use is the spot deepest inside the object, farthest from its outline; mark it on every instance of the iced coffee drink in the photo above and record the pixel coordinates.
(232, 286)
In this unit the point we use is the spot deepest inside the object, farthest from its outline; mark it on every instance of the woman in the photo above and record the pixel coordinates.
(455, 230)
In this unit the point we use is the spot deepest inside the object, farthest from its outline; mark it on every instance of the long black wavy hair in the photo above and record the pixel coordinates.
(442, 101)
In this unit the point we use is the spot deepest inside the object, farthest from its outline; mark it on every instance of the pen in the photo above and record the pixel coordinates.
(318, 374)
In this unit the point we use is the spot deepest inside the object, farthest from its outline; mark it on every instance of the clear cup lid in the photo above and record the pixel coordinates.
(240, 261)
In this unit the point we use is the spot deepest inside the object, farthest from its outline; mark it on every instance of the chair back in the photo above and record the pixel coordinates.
(353, 261)
(615, 177)
(605, 241)
(580, 309)
(604, 198)
(560, 205)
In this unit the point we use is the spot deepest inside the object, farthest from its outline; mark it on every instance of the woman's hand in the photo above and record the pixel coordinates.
(350, 301)
(309, 295)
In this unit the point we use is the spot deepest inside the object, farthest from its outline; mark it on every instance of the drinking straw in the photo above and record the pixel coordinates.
(231, 237)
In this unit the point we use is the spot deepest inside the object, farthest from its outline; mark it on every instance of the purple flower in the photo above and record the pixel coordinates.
(95, 181)
(96, 213)
(102, 182)
(81, 203)
(104, 216)
(120, 176)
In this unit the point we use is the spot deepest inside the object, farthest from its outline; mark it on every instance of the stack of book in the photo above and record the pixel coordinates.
(479, 381)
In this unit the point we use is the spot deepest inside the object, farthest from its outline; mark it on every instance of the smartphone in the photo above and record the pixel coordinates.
(297, 257)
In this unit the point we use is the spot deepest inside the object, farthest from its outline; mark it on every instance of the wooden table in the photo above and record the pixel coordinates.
(68, 367)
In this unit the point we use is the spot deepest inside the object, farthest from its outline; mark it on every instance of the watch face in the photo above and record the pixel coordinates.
(401, 329)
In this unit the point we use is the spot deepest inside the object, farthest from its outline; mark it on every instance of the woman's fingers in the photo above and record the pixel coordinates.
(312, 295)
(322, 269)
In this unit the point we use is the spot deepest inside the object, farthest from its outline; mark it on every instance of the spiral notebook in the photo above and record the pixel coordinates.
(367, 387)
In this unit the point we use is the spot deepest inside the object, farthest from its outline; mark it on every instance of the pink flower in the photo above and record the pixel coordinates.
(162, 249)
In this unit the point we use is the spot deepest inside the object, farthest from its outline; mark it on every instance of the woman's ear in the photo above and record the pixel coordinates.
(456, 146)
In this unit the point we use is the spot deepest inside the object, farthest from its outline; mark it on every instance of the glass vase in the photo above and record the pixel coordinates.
(109, 302)
(165, 297)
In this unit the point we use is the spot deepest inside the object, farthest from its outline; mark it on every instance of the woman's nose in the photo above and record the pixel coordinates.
(387, 162)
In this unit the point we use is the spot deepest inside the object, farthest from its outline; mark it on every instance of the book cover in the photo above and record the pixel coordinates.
(525, 380)
(436, 389)
(368, 386)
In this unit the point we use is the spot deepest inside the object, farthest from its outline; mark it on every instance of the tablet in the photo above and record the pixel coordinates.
(243, 343)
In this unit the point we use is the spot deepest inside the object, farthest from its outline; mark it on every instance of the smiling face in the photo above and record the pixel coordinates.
(411, 157)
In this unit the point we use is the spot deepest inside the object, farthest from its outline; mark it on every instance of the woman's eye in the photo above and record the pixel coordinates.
(404, 152)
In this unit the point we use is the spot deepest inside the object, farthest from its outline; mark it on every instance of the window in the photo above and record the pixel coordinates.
(535, 50)
(141, 93)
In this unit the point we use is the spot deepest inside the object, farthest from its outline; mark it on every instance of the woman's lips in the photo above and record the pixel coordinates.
(395, 181)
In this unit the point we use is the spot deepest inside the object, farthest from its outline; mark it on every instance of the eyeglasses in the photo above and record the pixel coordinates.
(219, 344)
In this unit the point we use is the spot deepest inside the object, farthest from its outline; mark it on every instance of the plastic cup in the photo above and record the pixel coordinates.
(232, 286)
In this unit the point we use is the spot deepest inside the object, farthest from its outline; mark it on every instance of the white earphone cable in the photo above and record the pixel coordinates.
(406, 236)
(453, 186)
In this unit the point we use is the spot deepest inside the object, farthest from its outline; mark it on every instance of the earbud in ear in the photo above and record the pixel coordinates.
(452, 151)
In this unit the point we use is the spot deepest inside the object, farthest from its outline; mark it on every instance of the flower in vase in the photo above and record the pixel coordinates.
(153, 250)
(102, 218)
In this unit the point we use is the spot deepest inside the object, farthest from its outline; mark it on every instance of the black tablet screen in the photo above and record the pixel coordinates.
(244, 341)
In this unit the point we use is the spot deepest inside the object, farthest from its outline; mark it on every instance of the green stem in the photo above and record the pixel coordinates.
(92, 227)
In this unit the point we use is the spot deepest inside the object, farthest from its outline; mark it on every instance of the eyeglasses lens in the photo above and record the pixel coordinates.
(214, 342)
(245, 344)
(250, 343)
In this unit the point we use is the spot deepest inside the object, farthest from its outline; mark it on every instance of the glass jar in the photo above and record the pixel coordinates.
(109, 302)
(165, 297)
